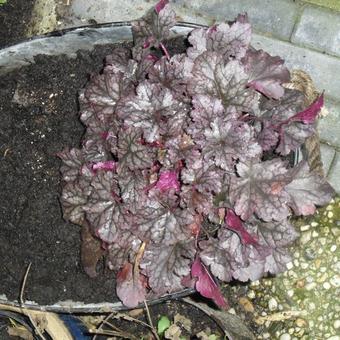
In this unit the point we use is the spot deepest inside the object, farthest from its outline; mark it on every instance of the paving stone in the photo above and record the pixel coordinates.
(275, 16)
(334, 174)
(327, 156)
(324, 69)
(333, 4)
(329, 126)
(319, 29)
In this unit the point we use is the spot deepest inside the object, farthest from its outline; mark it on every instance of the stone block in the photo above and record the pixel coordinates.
(319, 29)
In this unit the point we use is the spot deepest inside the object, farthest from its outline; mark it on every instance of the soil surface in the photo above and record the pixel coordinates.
(15, 17)
(38, 119)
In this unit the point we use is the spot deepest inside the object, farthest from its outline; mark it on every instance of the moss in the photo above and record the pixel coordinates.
(332, 4)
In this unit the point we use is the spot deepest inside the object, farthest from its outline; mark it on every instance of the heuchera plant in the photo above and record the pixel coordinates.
(175, 143)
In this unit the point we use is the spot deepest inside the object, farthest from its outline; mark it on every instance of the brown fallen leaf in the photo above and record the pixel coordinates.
(91, 251)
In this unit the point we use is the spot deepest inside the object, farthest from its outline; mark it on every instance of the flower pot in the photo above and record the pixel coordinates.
(26, 128)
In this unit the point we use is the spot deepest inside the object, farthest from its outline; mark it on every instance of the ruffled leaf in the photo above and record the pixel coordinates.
(154, 27)
(307, 189)
(162, 221)
(259, 190)
(155, 111)
(104, 211)
(229, 141)
(167, 265)
(132, 153)
(266, 73)
(225, 81)
(168, 180)
(228, 40)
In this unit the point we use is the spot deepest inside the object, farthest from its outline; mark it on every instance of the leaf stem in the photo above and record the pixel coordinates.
(165, 51)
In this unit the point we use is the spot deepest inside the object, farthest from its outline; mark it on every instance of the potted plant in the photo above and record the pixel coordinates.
(183, 176)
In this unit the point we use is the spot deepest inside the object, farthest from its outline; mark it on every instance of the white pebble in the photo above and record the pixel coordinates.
(335, 281)
(305, 227)
(326, 285)
(330, 214)
(251, 294)
(272, 304)
(285, 336)
(336, 324)
(266, 335)
(290, 292)
(334, 337)
(296, 263)
(314, 224)
(304, 265)
(289, 265)
(323, 269)
(232, 311)
(333, 248)
(315, 234)
(310, 286)
(323, 240)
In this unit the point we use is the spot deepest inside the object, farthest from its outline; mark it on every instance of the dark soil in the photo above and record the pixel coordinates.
(39, 118)
(15, 16)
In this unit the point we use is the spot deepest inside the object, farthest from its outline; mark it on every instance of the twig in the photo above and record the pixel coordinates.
(102, 324)
(150, 321)
(22, 302)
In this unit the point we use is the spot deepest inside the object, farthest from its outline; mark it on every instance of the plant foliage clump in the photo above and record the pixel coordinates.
(177, 143)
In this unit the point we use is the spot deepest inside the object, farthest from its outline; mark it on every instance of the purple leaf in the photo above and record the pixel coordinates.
(162, 222)
(172, 74)
(107, 165)
(203, 176)
(132, 153)
(191, 198)
(266, 73)
(165, 266)
(130, 286)
(226, 142)
(154, 27)
(155, 111)
(205, 283)
(259, 190)
(309, 115)
(73, 199)
(168, 180)
(306, 190)
(229, 41)
(104, 211)
(234, 223)
(225, 81)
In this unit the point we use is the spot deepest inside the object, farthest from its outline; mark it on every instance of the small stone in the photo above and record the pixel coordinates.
(311, 306)
(246, 304)
(251, 294)
(314, 224)
(296, 263)
(285, 336)
(265, 335)
(315, 234)
(310, 286)
(289, 265)
(305, 227)
(232, 311)
(290, 292)
(334, 337)
(330, 214)
(300, 283)
(322, 278)
(272, 304)
(323, 269)
(304, 265)
(329, 207)
(306, 237)
(291, 330)
(320, 251)
(323, 240)
(326, 285)
(333, 248)
(301, 322)
(336, 324)
(335, 281)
